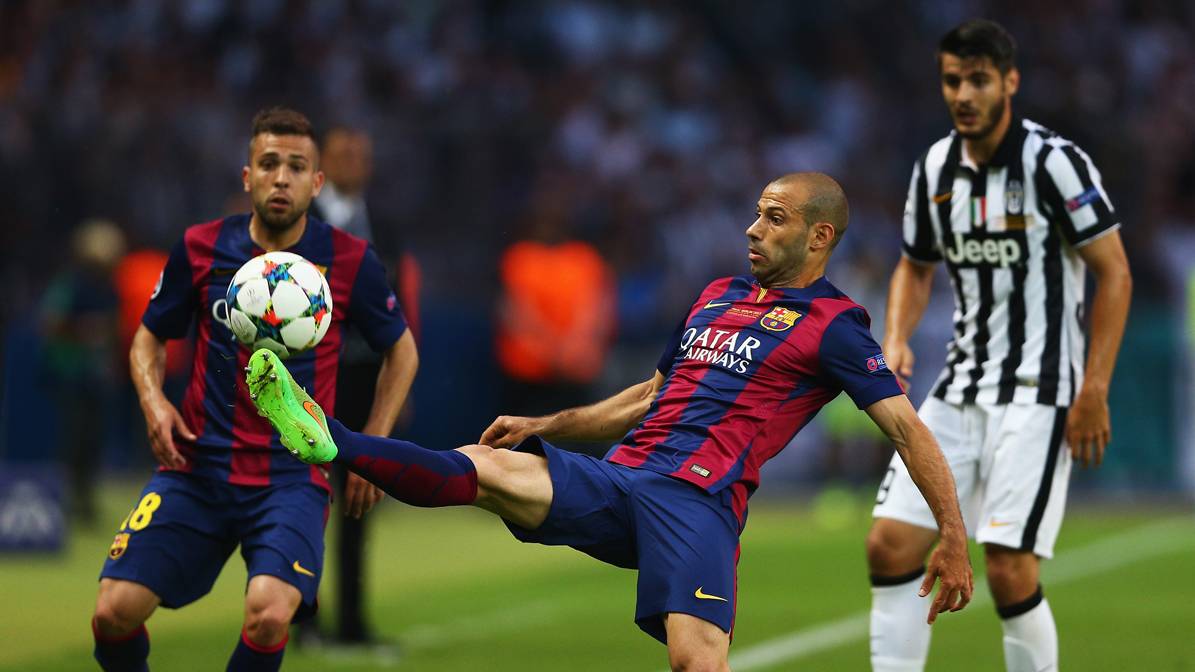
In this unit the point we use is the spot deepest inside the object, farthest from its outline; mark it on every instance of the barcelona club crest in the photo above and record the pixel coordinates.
(780, 319)
(119, 543)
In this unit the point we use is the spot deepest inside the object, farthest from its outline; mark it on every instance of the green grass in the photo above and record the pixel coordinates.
(459, 593)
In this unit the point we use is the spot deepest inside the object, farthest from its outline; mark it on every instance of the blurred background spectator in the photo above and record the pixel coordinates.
(346, 158)
(80, 322)
(653, 126)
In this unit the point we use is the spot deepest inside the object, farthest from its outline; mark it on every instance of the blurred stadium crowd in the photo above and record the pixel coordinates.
(646, 129)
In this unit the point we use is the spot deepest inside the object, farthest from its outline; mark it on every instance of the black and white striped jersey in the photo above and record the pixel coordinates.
(1008, 232)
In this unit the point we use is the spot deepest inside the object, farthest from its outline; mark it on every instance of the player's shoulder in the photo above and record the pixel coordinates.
(202, 237)
(722, 286)
(342, 241)
(1040, 137)
(935, 154)
(832, 304)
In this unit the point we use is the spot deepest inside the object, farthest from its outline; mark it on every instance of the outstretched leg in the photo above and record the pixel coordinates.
(513, 485)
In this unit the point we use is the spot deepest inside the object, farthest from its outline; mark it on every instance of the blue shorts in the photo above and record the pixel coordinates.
(183, 528)
(683, 540)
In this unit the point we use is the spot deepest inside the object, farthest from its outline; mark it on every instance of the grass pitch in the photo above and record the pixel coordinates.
(458, 593)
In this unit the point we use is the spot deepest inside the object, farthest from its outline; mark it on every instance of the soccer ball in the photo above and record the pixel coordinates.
(279, 301)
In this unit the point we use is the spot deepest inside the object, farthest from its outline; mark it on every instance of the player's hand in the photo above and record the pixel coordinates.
(899, 357)
(360, 496)
(1088, 427)
(162, 420)
(508, 431)
(951, 565)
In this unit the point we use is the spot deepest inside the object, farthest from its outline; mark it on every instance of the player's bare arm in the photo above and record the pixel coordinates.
(606, 420)
(399, 364)
(929, 470)
(908, 295)
(147, 366)
(1088, 426)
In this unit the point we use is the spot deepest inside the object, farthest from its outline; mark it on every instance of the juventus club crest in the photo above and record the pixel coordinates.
(1014, 198)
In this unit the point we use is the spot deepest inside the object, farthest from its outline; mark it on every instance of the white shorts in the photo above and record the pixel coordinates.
(1011, 465)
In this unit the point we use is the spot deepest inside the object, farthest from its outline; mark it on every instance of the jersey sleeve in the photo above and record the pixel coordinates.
(852, 360)
(669, 355)
(373, 307)
(173, 302)
(1080, 204)
(919, 242)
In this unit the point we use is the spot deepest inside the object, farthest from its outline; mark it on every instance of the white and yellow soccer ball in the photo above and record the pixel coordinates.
(280, 301)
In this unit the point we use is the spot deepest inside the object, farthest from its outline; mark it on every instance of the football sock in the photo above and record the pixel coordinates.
(899, 633)
(407, 472)
(250, 657)
(1030, 637)
(127, 653)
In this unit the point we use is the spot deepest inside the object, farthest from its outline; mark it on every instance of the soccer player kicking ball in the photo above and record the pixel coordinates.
(1016, 213)
(752, 361)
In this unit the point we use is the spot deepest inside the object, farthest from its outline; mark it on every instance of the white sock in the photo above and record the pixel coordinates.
(1030, 637)
(899, 633)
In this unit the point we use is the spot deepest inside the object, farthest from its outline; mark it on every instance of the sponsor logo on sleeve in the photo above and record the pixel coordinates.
(391, 302)
(1085, 198)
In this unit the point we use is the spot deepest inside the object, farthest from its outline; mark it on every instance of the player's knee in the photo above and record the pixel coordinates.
(269, 624)
(897, 548)
(886, 550)
(112, 617)
(122, 607)
(1010, 573)
(697, 659)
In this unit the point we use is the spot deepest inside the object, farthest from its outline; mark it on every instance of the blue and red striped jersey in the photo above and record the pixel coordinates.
(746, 369)
(235, 444)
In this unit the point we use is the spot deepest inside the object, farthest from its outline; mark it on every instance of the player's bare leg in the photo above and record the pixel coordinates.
(514, 485)
(118, 624)
(896, 553)
(696, 645)
(1030, 636)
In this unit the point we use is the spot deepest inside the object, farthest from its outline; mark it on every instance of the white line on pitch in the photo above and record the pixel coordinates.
(1166, 536)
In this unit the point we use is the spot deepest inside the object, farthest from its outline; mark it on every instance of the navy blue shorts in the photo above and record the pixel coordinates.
(683, 540)
(183, 528)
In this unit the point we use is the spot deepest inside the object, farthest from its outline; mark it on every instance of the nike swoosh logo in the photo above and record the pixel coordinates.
(942, 198)
(1000, 523)
(300, 569)
(702, 596)
(313, 411)
(711, 304)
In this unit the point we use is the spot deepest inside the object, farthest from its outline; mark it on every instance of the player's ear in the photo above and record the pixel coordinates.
(823, 235)
(245, 178)
(1012, 81)
(318, 183)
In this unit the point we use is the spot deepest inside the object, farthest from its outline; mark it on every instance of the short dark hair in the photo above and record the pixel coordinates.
(978, 38)
(282, 121)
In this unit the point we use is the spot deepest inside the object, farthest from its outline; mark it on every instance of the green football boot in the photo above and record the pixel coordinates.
(299, 420)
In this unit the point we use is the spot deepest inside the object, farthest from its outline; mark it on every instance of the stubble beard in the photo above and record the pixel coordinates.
(994, 114)
(277, 222)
